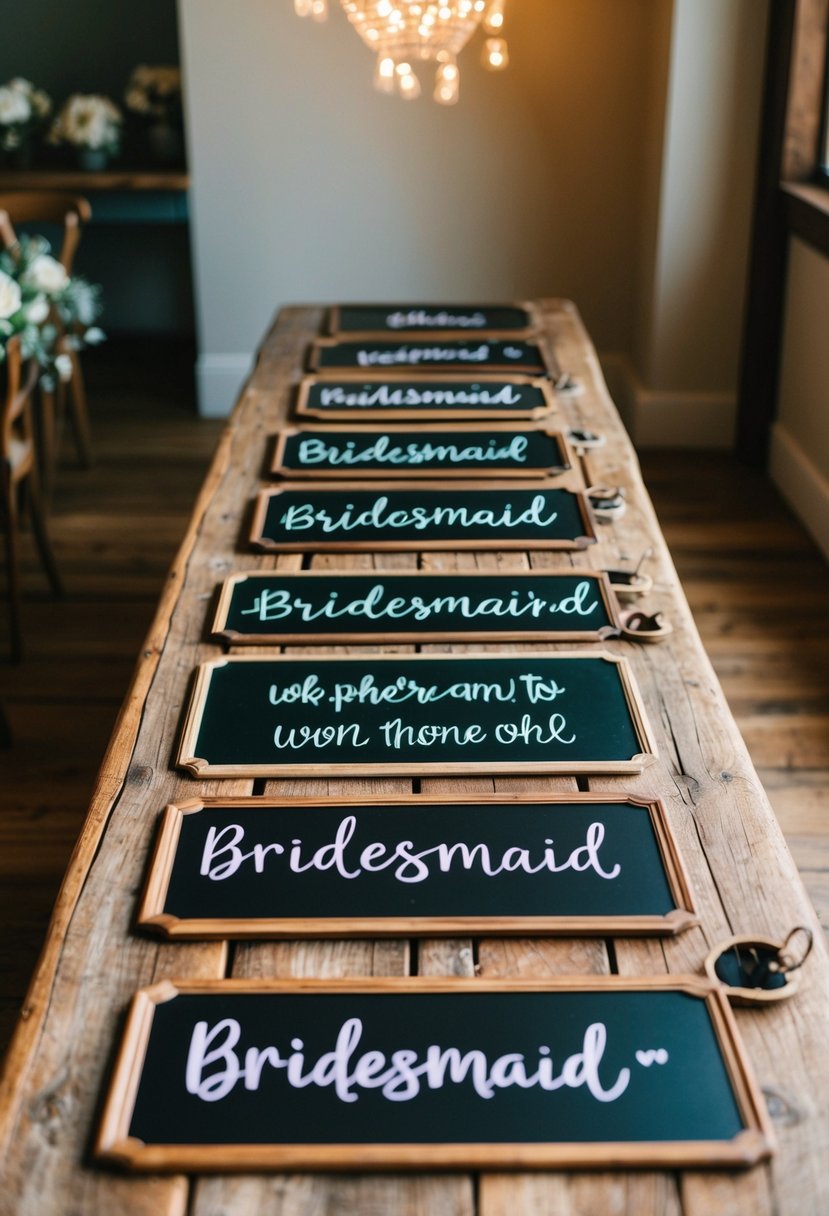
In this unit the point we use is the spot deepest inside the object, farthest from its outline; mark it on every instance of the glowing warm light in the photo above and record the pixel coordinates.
(494, 19)
(409, 86)
(403, 33)
(447, 84)
(384, 74)
(496, 55)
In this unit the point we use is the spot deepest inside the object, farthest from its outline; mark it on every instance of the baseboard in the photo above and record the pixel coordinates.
(802, 485)
(219, 381)
(669, 418)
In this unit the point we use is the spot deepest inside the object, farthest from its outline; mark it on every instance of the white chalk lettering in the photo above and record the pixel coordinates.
(301, 516)
(214, 1067)
(385, 603)
(225, 853)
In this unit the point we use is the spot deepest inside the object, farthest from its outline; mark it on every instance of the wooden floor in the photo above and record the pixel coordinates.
(758, 588)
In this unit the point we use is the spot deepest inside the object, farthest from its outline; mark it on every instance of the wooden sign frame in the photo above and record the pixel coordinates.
(408, 369)
(152, 917)
(333, 326)
(266, 544)
(114, 1144)
(368, 636)
(303, 410)
(564, 467)
(187, 759)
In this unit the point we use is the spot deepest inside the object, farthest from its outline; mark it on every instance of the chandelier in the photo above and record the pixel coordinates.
(401, 32)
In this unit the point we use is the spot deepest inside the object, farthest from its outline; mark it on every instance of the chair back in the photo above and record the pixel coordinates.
(16, 440)
(69, 211)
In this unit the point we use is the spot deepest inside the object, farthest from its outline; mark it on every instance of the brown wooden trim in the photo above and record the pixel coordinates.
(187, 759)
(113, 1143)
(760, 363)
(807, 214)
(78, 179)
(399, 371)
(793, 107)
(151, 914)
(386, 634)
(331, 327)
(355, 415)
(419, 544)
(564, 464)
(805, 103)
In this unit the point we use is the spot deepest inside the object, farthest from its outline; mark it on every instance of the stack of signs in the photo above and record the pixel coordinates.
(423, 427)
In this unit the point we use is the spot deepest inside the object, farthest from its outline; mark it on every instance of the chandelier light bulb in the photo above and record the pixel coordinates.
(384, 74)
(447, 83)
(494, 18)
(496, 54)
(403, 33)
(408, 85)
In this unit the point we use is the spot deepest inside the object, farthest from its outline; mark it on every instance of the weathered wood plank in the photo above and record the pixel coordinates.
(744, 878)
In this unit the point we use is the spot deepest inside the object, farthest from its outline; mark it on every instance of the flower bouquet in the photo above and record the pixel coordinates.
(24, 111)
(153, 97)
(54, 313)
(91, 124)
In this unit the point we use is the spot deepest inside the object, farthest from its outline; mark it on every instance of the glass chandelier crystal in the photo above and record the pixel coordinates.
(402, 32)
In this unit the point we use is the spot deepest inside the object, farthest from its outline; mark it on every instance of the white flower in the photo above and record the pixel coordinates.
(14, 106)
(94, 336)
(88, 121)
(63, 366)
(46, 274)
(9, 296)
(136, 99)
(37, 311)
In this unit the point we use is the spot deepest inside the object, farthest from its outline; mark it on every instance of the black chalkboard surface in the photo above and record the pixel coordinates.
(486, 397)
(307, 1074)
(423, 318)
(478, 352)
(397, 515)
(546, 713)
(336, 606)
(387, 451)
(356, 867)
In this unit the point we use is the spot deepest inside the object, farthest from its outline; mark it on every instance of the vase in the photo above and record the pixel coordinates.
(92, 160)
(165, 144)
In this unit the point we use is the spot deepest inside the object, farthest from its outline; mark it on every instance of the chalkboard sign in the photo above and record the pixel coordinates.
(404, 1073)
(384, 451)
(478, 352)
(487, 397)
(424, 318)
(427, 515)
(402, 714)
(258, 867)
(337, 607)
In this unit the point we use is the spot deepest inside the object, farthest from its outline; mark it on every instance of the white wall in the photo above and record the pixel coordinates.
(800, 438)
(310, 186)
(683, 384)
(613, 164)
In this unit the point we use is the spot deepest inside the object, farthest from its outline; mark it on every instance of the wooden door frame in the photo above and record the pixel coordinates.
(788, 202)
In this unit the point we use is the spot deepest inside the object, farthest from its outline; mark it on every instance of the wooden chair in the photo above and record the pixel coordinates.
(19, 483)
(69, 212)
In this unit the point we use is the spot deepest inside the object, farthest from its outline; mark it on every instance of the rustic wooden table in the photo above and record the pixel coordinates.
(93, 961)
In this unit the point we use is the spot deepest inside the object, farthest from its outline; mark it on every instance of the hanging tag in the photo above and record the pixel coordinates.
(640, 626)
(583, 440)
(607, 503)
(630, 584)
(568, 386)
(759, 970)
